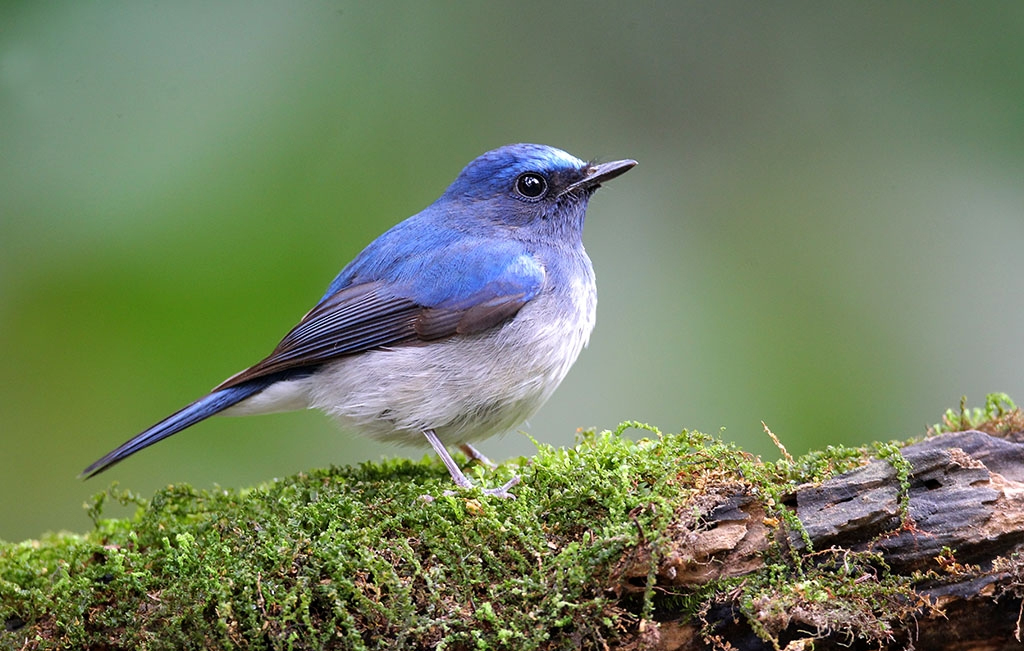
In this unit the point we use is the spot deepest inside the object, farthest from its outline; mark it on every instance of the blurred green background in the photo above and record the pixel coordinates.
(826, 229)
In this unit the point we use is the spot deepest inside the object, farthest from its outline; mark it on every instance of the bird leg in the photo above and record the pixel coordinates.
(477, 455)
(457, 475)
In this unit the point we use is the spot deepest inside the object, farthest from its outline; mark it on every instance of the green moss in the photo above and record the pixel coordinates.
(847, 595)
(891, 452)
(999, 416)
(359, 558)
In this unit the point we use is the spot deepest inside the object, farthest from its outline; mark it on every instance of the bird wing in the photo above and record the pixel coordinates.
(435, 297)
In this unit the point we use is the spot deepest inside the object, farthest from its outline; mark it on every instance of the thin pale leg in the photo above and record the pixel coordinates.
(457, 476)
(478, 456)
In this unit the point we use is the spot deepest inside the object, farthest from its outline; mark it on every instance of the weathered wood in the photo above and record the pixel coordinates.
(965, 493)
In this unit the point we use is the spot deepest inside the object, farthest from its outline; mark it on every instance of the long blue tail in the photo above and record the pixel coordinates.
(201, 409)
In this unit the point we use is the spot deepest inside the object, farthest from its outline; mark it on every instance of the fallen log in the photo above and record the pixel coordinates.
(671, 542)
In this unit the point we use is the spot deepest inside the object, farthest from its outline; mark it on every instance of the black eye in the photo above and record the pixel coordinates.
(531, 185)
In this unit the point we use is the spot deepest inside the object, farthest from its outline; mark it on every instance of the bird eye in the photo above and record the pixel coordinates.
(531, 185)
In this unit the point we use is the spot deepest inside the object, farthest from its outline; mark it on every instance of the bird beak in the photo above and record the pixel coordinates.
(598, 174)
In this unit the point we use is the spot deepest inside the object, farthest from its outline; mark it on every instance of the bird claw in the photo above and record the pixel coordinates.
(501, 491)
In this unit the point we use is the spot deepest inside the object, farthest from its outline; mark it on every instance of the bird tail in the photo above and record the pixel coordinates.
(201, 409)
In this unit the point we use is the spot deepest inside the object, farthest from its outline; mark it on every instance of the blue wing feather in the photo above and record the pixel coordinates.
(442, 267)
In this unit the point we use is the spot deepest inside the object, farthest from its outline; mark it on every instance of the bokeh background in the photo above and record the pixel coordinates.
(825, 232)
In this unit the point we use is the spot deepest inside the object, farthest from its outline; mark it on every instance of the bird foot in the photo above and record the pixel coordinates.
(501, 491)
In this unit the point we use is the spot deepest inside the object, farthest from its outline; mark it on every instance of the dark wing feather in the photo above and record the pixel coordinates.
(352, 320)
(367, 316)
(436, 323)
(488, 314)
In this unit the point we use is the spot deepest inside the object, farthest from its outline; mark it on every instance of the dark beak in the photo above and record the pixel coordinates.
(598, 174)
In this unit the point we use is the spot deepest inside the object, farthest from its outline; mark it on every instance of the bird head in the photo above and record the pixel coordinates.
(531, 188)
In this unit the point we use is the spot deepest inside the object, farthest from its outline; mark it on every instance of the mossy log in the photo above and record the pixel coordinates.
(947, 519)
(670, 542)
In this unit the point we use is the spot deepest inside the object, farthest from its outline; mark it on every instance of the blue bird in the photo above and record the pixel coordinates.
(453, 326)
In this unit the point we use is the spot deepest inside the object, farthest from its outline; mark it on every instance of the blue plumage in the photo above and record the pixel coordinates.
(454, 325)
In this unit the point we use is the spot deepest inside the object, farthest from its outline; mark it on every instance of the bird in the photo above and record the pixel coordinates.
(455, 325)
